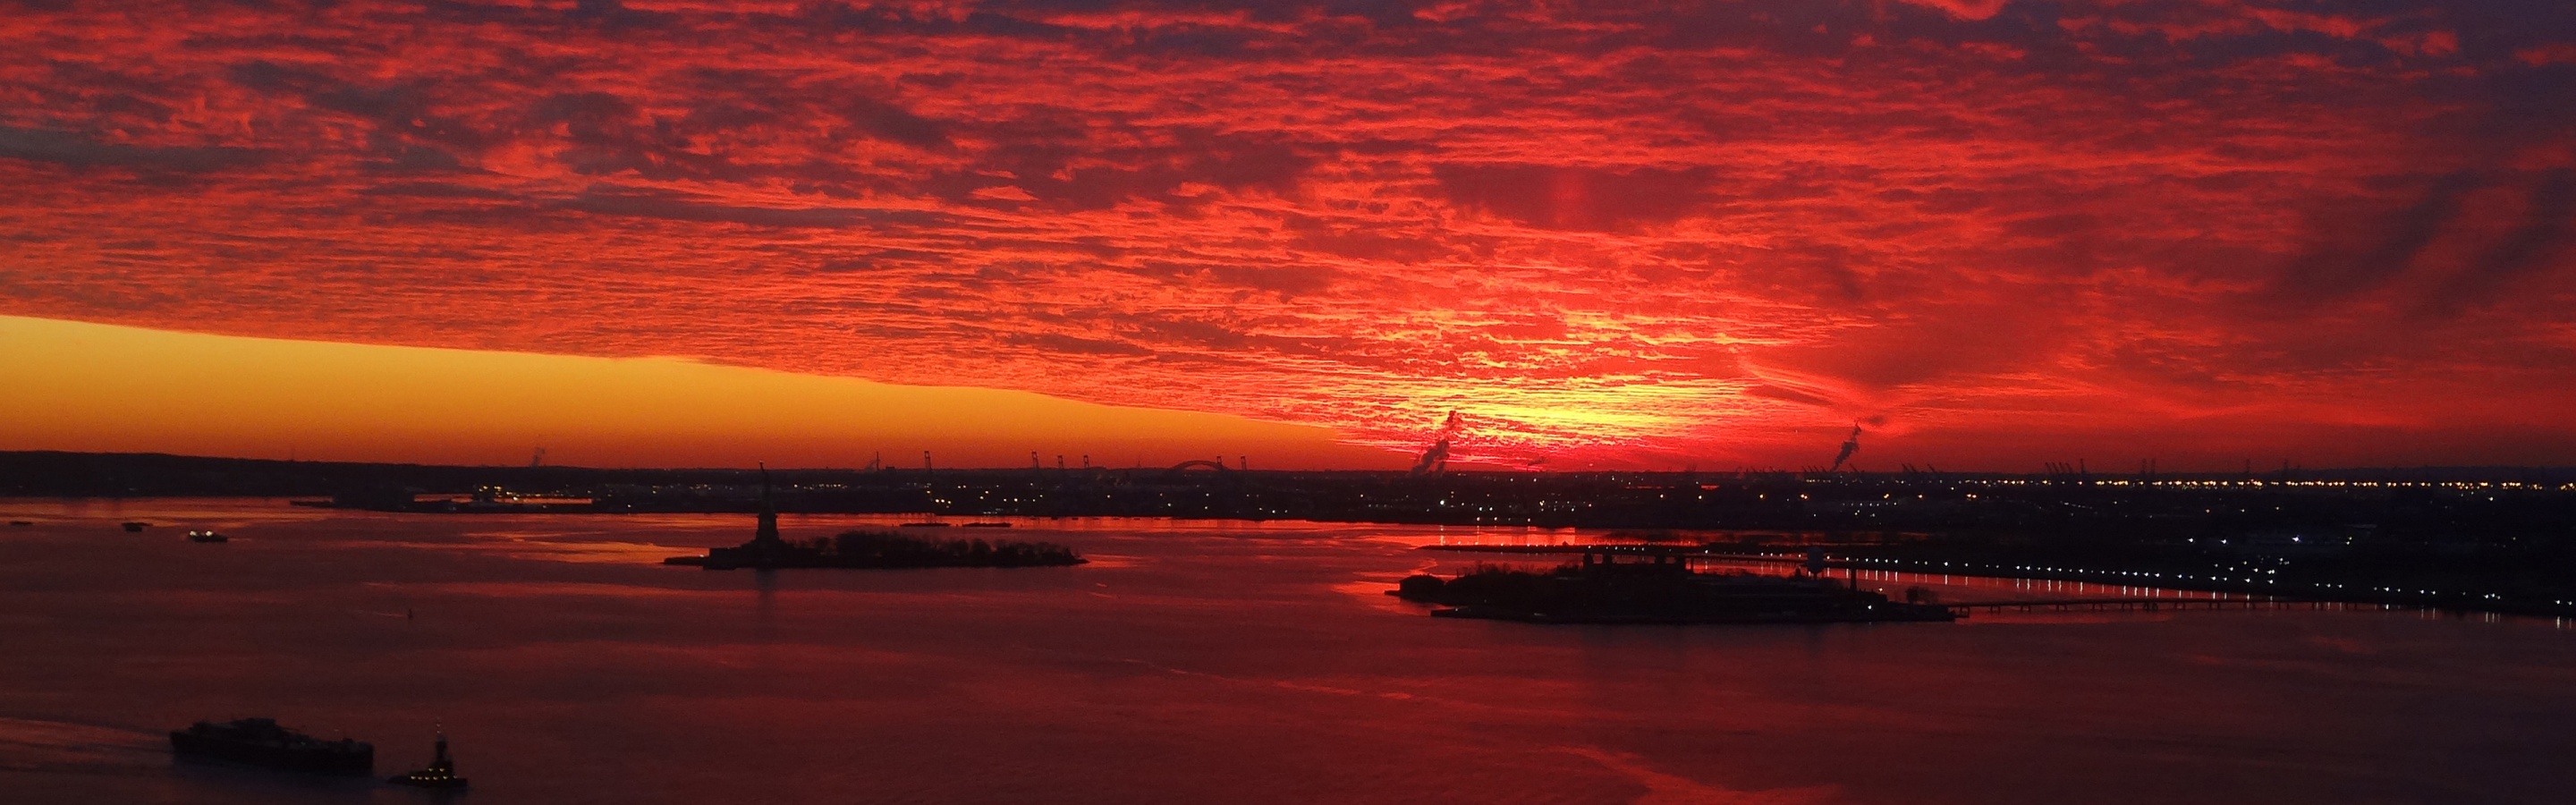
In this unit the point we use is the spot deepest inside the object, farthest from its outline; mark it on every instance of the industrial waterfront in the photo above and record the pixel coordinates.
(2492, 540)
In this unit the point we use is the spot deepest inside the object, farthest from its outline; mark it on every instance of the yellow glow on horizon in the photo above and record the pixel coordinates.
(91, 387)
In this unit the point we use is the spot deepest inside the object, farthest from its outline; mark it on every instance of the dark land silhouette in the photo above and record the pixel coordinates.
(868, 549)
(1653, 588)
(879, 549)
(2487, 539)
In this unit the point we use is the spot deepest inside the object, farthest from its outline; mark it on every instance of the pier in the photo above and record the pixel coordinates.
(2135, 604)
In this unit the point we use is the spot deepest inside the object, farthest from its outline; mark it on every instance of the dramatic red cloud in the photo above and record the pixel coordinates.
(1714, 233)
(1965, 9)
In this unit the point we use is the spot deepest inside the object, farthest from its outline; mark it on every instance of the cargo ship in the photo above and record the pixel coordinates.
(261, 742)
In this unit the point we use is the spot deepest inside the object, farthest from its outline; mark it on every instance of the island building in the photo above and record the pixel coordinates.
(765, 548)
(858, 549)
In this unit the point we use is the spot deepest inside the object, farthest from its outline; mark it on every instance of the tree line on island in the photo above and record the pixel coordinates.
(885, 549)
(878, 549)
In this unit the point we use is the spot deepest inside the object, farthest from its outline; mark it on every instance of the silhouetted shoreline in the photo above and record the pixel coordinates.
(1653, 588)
(878, 550)
(2483, 539)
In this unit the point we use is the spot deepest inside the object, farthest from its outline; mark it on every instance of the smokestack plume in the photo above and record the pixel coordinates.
(1435, 459)
(1850, 445)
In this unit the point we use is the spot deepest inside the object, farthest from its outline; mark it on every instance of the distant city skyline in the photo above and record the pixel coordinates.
(1990, 233)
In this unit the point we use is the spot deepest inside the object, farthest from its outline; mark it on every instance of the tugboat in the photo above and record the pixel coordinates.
(261, 742)
(209, 535)
(441, 773)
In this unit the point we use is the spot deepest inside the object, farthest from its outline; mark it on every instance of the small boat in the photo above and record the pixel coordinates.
(923, 525)
(207, 536)
(22, 522)
(988, 525)
(440, 774)
(135, 525)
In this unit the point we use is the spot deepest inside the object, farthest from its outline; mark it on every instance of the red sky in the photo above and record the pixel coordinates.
(1996, 232)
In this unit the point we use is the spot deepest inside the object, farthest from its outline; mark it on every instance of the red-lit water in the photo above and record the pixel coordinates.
(1191, 663)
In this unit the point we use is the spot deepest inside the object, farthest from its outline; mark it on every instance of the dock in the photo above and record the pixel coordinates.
(2141, 604)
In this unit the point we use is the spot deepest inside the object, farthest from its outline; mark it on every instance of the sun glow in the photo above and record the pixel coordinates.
(101, 388)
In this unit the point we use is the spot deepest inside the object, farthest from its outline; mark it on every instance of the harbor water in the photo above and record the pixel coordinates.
(1189, 662)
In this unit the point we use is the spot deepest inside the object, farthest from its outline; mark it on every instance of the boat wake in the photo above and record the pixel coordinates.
(57, 747)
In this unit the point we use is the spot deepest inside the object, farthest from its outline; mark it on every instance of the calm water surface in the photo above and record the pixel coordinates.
(1190, 663)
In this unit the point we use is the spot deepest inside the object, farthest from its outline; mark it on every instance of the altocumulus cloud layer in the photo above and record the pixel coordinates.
(1637, 233)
